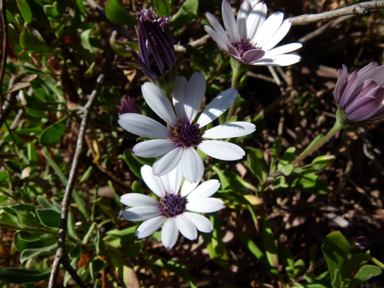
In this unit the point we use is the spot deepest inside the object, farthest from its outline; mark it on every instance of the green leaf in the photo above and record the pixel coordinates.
(32, 42)
(310, 183)
(53, 132)
(225, 184)
(257, 164)
(335, 249)
(133, 164)
(86, 174)
(9, 221)
(163, 7)
(274, 154)
(55, 167)
(312, 254)
(322, 162)
(22, 276)
(33, 252)
(117, 14)
(178, 269)
(353, 264)
(25, 10)
(365, 273)
(186, 13)
(38, 13)
(288, 157)
(136, 187)
(120, 47)
(29, 237)
(287, 170)
(100, 245)
(121, 238)
(49, 217)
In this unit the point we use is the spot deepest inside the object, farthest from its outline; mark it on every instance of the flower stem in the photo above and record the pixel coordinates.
(237, 70)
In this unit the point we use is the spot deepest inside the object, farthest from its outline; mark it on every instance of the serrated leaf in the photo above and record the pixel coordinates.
(117, 14)
(23, 276)
(32, 42)
(53, 132)
(186, 13)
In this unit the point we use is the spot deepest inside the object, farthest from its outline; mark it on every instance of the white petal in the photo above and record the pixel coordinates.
(178, 95)
(136, 199)
(192, 165)
(143, 126)
(218, 28)
(159, 103)
(172, 180)
(221, 150)
(242, 15)
(280, 60)
(204, 190)
(217, 107)
(206, 205)
(153, 182)
(169, 233)
(229, 22)
(166, 163)
(268, 29)
(149, 227)
(216, 37)
(194, 95)
(256, 19)
(153, 148)
(141, 213)
(202, 223)
(230, 130)
(282, 49)
(186, 227)
(278, 36)
(188, 187)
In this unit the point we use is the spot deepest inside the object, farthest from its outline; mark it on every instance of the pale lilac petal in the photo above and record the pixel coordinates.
(166, 163)
(349, 89)
(186, 227)
(169, 233)
(256, 19)
(217, 107)
(252, 56)
(141, 213)
(230, 130)
(340, 83)
(204, 190)
(378, 115)
(221, 150)
(279, 60)
(192, 165)
(369, 87)
(268, 29)
(153, 182)
(278, 36)
(202, 223)
(172, 180)
(216, 37)
(194, 95)
(378, 75)
(188, 188)
(218, 28)
(242, 19)
(230, 22)
(143, 126)
(153, 148)
(283, 49)
(178, 95)
(362, 109)
(159, 103)
(136, 199)
(206, 205)
(149, 227)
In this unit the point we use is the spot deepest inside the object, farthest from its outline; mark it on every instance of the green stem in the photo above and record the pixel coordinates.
(378, 263)
(237, 70)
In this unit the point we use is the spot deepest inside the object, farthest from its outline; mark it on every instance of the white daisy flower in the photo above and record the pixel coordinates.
(251, 37)
(176, 144)
(172, 207)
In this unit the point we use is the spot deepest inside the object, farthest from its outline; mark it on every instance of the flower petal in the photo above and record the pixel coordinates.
(268, 29)
(340, 83)
(143, 126)
(278, 36)
(178, 96)
(256, 19)
(153, 148)
(206, 205)
(141, 213)
(194, 95)
(172, 180)
(149, 227)
(153, 182)
(282, 49)
(230, 130)
(202, 223)
(166, 163)
(241, 20)
(217, 107)
(348, 89)
(221, 150)
(192, 165)
(216, 37)
(279, 60)
(362, 109)
(188, 188)
(159, 103)
(218, 28)
(136, 199)
(229, 22)
(186, 227)
(204, 190)
(169, 233)
(252, 56)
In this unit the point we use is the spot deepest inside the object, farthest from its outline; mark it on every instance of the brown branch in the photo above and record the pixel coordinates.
(4, 49)
(357, 9)
(60, 253)
(194, 44)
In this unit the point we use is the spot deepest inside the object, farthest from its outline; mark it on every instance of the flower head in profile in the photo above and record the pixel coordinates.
(251, 38)
(127, 105)
(177, 144)
(361, 94)
(173, 206)
(156, 53)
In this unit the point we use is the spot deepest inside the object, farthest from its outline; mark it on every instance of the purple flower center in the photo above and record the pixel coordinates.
(172, 205)
(243, 46)
(187, 134)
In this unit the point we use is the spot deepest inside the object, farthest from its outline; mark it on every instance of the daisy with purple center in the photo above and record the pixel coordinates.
(251, 38)
(177, 144)
(172, 207)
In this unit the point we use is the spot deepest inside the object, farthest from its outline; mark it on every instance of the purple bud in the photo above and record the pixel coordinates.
(360, 95)
(127, 106)
(156, 52)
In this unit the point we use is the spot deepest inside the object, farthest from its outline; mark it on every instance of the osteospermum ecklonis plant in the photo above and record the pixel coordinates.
(174, 207)
(176, 143)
